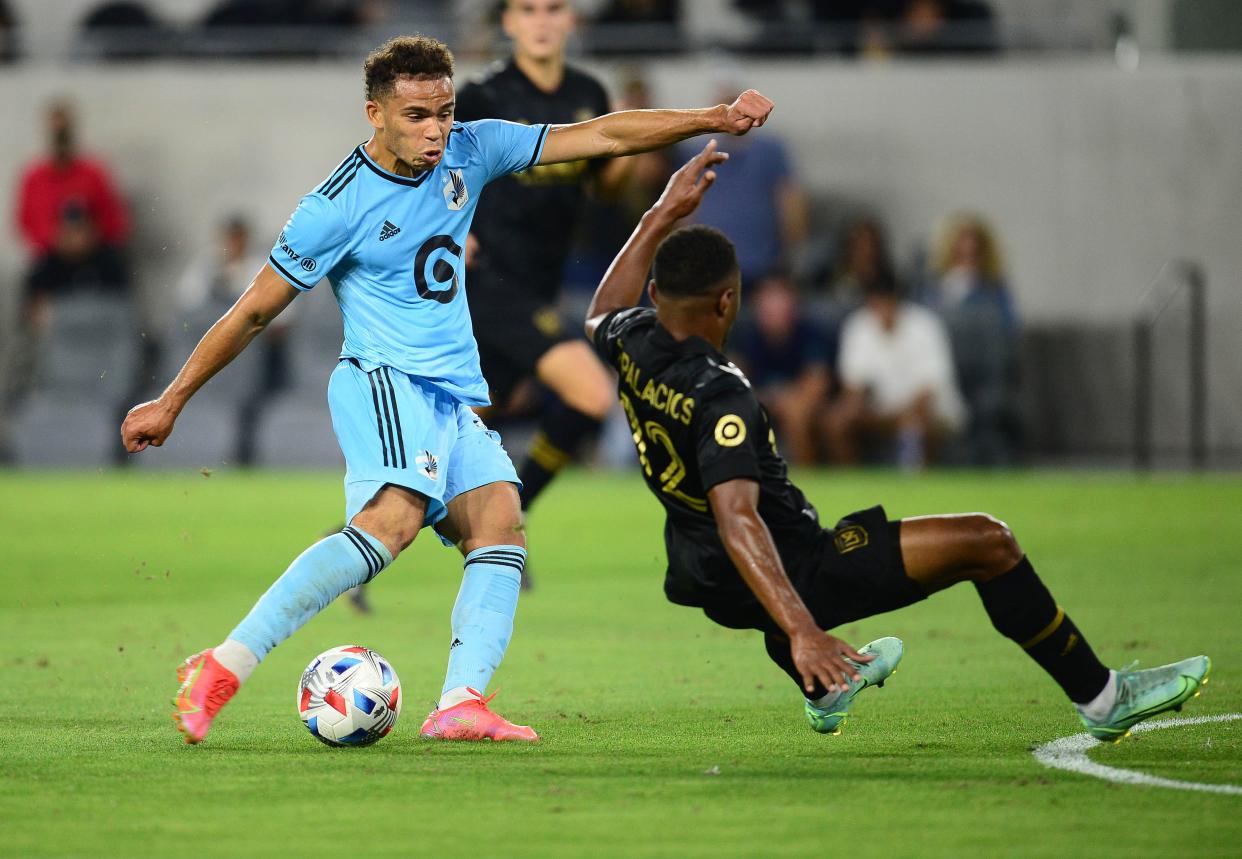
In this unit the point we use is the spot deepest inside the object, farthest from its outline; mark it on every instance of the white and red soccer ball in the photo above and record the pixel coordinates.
(349, 696)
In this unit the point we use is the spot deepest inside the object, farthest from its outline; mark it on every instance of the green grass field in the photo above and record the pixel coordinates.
(663, 735)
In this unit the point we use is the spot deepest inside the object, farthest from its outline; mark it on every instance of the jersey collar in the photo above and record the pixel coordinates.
(691, 345)
(412, 182)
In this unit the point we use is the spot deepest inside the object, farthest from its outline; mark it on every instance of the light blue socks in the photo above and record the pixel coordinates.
(482, 619)
(317, 577)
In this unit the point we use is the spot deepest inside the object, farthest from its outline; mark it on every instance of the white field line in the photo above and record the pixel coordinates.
(1070, 753)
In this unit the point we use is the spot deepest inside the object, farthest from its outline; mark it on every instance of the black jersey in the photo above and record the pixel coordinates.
(525, 229)
(696, 423)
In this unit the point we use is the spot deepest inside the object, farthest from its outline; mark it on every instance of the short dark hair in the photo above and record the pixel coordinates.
(693, 260)
(417, 57)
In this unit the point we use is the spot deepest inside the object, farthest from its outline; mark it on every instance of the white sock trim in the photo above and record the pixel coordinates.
(1099, 707)
(236, 657)
(453, 697)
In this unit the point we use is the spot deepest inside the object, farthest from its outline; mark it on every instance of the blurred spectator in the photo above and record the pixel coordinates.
(209, 286)
(75, 225)
(787, 360)
(756, 200)
(862, 260)
(967, 268)
(64, 179)
(900, 399)
(967, 286)
(8, 35)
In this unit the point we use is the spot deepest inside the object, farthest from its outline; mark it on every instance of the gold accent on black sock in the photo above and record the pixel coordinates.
(1046, 631)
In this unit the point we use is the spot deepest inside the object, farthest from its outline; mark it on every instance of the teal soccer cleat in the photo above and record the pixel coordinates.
(830, 718)
(1143, 694)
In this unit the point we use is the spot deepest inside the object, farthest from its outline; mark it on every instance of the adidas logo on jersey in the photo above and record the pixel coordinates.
(388, 231)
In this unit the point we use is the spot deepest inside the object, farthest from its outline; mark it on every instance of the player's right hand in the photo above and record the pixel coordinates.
(820, 657)
(686, 187)
(149, 423)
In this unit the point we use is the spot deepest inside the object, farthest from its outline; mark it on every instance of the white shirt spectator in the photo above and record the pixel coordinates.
(896, 366)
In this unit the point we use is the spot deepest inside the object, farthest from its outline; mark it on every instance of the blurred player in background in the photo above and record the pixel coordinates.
(521, 239)
(745, 545)
(408, 374)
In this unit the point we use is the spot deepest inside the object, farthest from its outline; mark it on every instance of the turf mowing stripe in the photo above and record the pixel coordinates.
(1070, 754)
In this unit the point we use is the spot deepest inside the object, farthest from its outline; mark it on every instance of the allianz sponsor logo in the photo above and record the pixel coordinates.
(307, 263)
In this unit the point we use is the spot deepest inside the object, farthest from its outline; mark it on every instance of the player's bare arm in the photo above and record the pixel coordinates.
(629, 132)
(625, 279)
(820, 657)
(152, 422)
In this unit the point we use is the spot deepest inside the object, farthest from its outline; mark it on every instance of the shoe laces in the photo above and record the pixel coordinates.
(478, 696)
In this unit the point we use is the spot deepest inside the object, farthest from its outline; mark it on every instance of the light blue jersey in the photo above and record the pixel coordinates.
(392, 247)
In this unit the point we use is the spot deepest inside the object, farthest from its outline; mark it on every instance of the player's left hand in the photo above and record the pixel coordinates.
(749, 110)
(686, 187)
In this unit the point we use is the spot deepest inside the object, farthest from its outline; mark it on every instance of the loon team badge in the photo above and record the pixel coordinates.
(455, 193)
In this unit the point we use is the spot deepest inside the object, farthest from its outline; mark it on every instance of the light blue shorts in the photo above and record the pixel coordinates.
(400, 429)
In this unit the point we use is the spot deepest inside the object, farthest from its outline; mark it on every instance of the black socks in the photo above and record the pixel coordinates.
(1022, 609)
(561, 432)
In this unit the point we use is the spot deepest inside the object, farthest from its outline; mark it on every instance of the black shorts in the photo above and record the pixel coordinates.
(512, 336)
(856, 571)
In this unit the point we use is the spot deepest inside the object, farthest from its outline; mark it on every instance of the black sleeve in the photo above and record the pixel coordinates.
(613, 327)
(474, 102)
(728, 429)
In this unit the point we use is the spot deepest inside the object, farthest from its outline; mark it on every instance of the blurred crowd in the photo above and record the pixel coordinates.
(133, 29)
(858, 359)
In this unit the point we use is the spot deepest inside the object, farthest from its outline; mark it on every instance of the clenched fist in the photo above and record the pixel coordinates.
(147, 424)
(749, 110)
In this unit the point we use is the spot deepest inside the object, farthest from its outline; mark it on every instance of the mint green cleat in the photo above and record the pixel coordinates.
(888, 652)
(1143, 694)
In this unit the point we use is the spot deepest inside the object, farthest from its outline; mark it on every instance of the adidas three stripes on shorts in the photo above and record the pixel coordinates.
(400, 429)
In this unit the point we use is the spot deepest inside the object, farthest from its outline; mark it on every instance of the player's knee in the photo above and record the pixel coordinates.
(597, 402)
(997, 549)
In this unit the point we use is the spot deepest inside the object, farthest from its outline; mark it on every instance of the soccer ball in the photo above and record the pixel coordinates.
(349, 696)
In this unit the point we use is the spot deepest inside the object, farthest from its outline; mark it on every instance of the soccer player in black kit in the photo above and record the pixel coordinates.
(745, 545)
(520, 239)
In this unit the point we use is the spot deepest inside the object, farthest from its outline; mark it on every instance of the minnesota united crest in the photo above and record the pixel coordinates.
(456, 194)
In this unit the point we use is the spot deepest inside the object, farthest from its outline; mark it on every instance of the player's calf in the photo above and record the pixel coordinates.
(317, 577)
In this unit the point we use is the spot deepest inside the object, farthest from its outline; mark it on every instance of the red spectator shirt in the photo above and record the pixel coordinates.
(47, 187)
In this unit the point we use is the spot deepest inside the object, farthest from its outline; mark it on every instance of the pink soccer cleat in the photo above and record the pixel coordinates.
(472, 720)
(206, 686)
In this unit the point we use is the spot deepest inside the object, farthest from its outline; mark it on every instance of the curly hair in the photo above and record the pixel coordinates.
(692, 261)
(415, 57)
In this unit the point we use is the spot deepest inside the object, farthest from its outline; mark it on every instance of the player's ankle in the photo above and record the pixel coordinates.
(453, 697)
(237, 658)
(1098, 708)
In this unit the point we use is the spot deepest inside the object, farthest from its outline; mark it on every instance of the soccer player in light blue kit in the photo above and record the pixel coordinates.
(387, 228)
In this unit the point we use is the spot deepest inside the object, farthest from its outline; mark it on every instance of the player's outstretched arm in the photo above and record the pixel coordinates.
(151, 423)
(628, 132)
(819, 656)
(623, 283)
